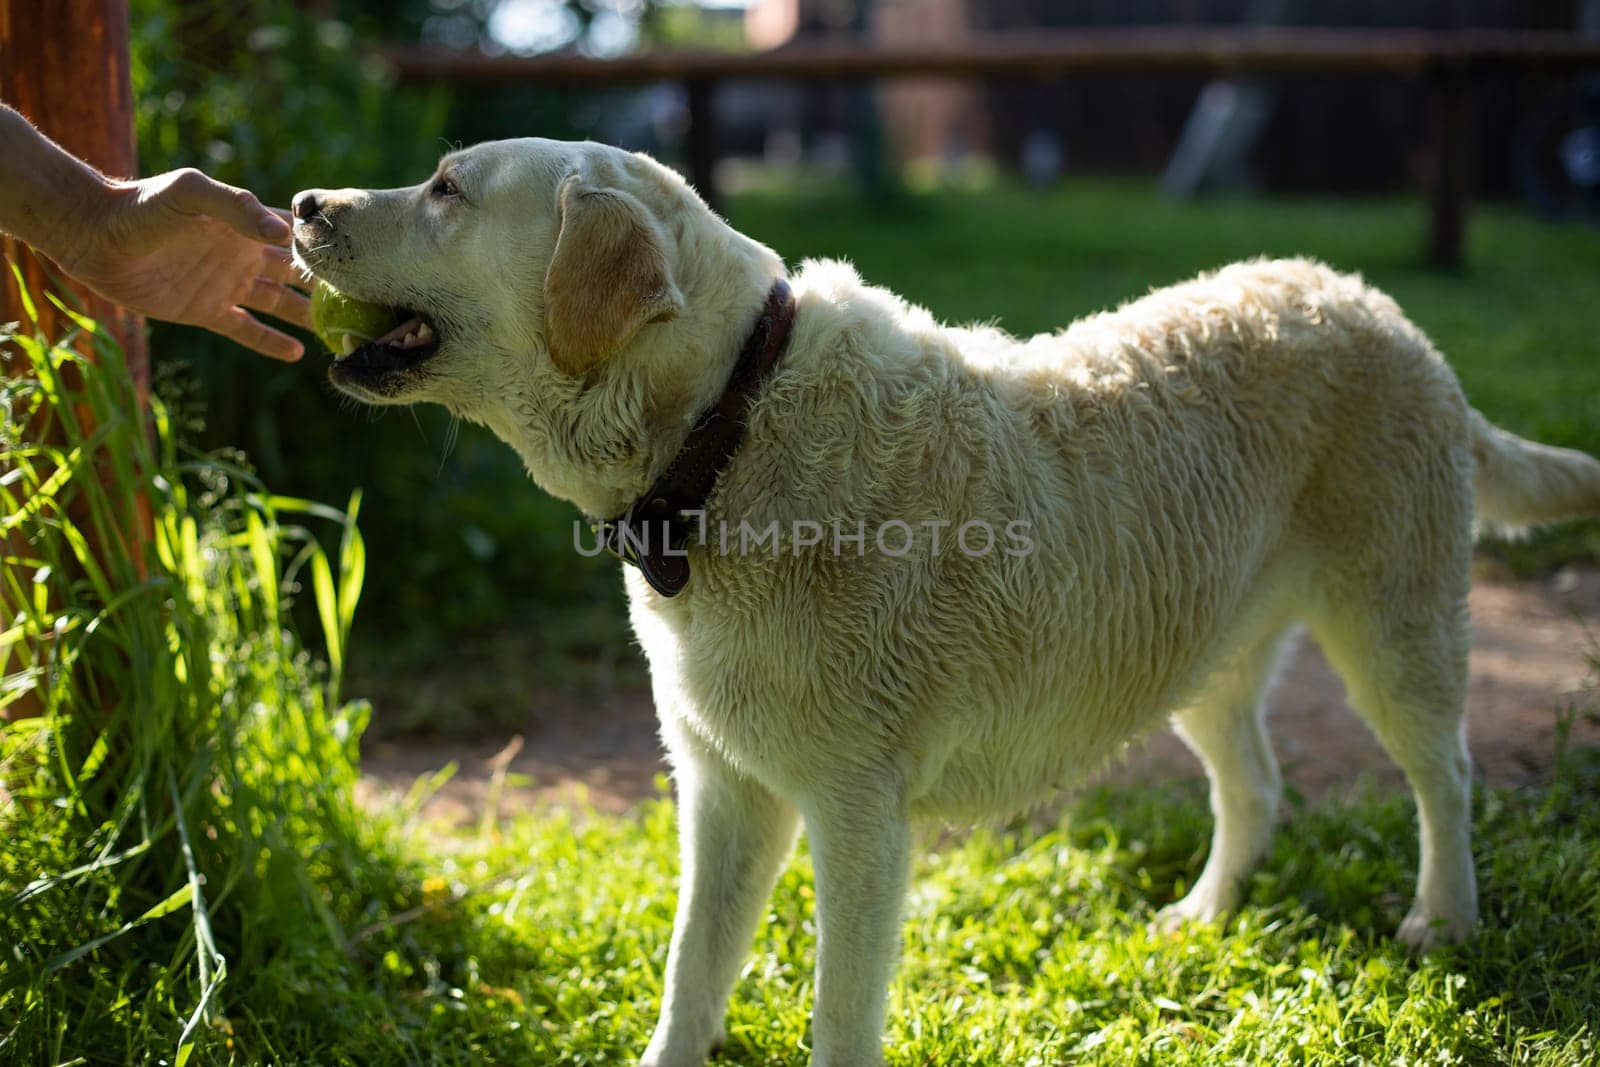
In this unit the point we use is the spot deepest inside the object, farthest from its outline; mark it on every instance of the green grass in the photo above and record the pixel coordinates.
(541, 942)
(179, 808)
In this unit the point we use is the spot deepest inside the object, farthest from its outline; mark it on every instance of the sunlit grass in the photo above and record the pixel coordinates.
(542, 941)
(178, 808)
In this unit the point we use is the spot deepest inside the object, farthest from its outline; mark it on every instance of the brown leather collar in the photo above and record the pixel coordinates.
(651, 533)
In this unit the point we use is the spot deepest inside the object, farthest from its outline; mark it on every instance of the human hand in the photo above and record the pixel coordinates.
(184, 248)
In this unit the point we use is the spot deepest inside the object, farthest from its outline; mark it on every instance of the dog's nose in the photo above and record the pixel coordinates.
(305, 204)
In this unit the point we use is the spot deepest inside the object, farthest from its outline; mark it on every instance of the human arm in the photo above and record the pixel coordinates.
(176, 246)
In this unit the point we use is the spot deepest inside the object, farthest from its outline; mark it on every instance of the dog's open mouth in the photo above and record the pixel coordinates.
(413, 341)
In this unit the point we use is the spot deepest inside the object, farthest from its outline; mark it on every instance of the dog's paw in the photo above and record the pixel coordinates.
(671, 1060)
(667, 1060)
(1423, 931)
(1202, 905)
(662, 1054)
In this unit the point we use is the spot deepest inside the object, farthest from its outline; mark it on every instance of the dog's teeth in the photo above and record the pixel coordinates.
(425, 333)
(348, 344)
(408, 341)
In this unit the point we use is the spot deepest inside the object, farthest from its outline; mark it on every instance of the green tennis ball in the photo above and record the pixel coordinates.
(337, 318)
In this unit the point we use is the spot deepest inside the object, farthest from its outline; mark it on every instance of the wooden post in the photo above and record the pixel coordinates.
(64, 65)
(702, 140)
(1449, 162)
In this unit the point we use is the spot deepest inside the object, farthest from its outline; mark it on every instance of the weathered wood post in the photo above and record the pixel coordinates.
(1450, 163)
(64, 65)
(701, 137)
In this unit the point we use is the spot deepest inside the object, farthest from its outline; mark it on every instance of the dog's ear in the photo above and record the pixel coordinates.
(608, 277)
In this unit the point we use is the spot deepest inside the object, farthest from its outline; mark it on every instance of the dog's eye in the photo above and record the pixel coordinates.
(446, 187)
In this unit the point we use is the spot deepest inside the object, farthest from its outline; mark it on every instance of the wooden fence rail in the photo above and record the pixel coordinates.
(1449, 61)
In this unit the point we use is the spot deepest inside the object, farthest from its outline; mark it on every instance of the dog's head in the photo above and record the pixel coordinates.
(567, 295)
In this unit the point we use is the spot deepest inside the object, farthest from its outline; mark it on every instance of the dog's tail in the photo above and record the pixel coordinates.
(1522, 483)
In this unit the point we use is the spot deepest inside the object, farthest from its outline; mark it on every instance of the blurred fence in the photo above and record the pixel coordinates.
(1450, 63)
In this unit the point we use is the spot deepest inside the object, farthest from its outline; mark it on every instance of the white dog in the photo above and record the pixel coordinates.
(1165, 488)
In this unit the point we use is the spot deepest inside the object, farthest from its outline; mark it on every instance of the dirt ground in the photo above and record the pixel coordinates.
(1530, 660)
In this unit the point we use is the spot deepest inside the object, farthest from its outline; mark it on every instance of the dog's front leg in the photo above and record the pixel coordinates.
(861, 847)
(733, 836)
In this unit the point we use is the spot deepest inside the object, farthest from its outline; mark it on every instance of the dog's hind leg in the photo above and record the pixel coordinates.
(733, 836)
(1225, 727)
(1403, 655)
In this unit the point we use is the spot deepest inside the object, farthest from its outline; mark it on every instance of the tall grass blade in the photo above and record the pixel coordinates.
(190, 753)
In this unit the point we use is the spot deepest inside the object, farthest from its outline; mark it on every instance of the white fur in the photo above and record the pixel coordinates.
(1201, 468)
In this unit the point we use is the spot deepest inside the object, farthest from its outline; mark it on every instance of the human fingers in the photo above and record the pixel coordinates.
(279, 301)
(278, 265)
(195, 193)
(239, 325)
(287, 218)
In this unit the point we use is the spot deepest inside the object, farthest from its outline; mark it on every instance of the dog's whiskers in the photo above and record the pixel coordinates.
(451, 435)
